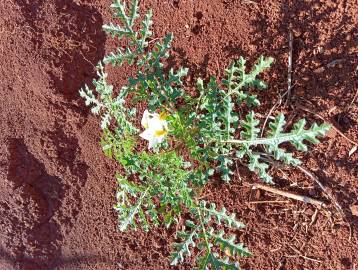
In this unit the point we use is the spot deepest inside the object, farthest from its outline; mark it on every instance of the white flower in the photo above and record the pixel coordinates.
(156, 128)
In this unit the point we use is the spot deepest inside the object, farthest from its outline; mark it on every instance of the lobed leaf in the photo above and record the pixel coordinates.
(183, 248)
(228, 245)
(220, 216)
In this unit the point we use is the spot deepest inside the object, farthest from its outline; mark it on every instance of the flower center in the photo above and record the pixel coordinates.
(159, 133)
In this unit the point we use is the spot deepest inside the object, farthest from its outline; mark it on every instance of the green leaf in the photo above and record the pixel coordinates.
(210, 260)
(260, 168)
(127, 212)
(120, 57)
(183, 248)
(145, 32)
(250, 131)
(296, 136)
(220, 216)
(224, 167)
(275, 137)
(133, 14)
(229, 244)
(116, 30)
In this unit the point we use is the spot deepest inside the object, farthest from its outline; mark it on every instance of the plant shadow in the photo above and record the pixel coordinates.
(72, 41)
(41, 212)
(36, 197)
(61, 261)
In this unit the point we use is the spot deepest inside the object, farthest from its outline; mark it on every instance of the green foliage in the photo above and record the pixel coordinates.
(107, 105)
(163, 189)
(151, 82)
(217, 119)
(199, 232)
(218, 124)
(131, 214)
(117, 145)
(212, 131)
(275, 136)
(237, 80)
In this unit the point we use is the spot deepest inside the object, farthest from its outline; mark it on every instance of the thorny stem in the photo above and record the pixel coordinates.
(134, 211)
(267, 141)
(204, 231)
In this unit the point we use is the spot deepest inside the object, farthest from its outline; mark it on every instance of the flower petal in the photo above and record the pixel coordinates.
(153, 142)
(145, 118)
(160, 139)
(147, 134)
(156, 128)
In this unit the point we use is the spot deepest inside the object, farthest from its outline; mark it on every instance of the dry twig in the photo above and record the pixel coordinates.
(259, 202)
(324, 189)
(303, 256)
(274, 107)
(289, 73)
(353, 100)
(290, 195)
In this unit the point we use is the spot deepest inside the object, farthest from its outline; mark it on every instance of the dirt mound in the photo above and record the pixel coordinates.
(57, 188)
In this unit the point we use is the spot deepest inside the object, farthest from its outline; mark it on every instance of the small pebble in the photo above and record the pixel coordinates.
(354, 210)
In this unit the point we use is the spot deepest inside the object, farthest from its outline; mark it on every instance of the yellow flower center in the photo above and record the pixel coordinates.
(159, 133)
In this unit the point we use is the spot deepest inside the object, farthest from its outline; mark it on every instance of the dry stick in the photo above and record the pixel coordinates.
(349, 105)
(290, 195)
(333, 126)
(259, 202)
(204, 196)
(277, 104)
(289, 73)
(324, 189)
(268, 116)
(303, 256)
(353, 100)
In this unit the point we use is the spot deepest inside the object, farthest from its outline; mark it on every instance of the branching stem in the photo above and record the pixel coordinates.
(266, 141)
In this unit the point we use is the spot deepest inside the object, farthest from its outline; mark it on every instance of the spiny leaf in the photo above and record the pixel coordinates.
(224, 167)
(300, 134)
(120, 57)
(183, 248)
(276, 128)
(120, 12)
(220, 215)
(145, 32)
(161, 52)
(262, 64)
(106, 118)
(275, 137)
(126, 212)
(133, 13)
(90, 99)
(250, 130)
(116, 30)
(296, 136)
(256, 166)
(211, 261)
(229, 244)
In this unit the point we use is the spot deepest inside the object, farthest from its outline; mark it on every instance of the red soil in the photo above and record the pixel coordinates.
(57, 188)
